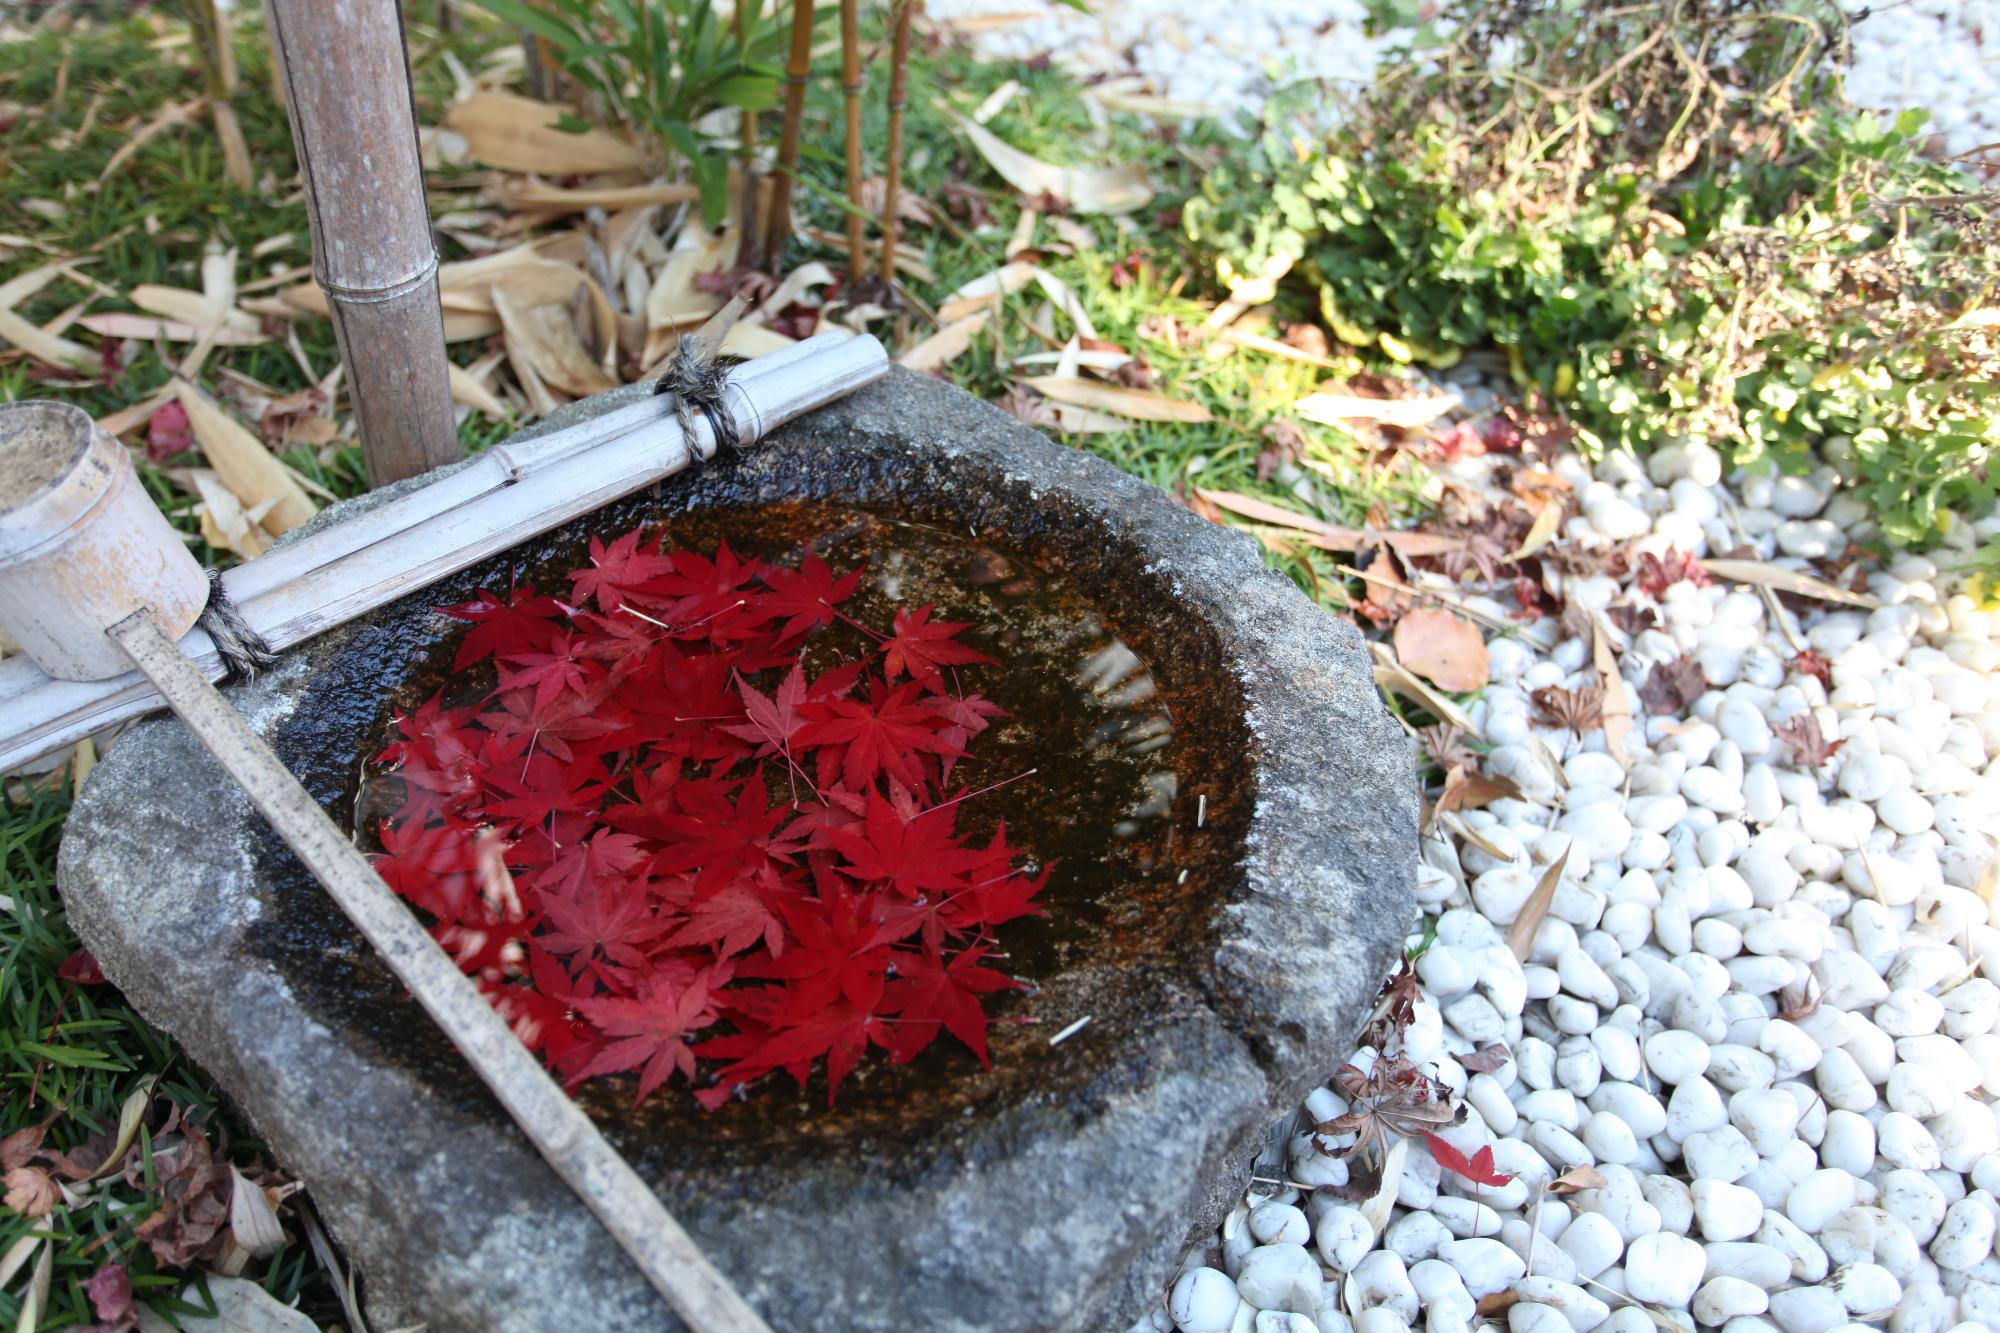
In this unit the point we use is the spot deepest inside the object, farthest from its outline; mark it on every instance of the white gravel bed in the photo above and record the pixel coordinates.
(1833, 1170)
(1939, 54)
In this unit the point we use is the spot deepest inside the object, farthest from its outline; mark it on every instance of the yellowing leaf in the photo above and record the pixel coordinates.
(1443, 649)
(1138, 404)
(947, 344)
(246, 467)
(520, 134)
(1548, 520)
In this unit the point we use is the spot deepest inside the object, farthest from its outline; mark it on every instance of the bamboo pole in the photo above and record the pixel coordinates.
(564, 1135)
(899, 70)
(354, 126)
(798, 68)
(850, 85)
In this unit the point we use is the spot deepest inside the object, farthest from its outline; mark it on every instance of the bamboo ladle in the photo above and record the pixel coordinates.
(93, 580)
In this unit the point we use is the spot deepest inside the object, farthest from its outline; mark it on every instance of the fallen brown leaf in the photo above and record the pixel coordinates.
(1442, 648)
(520, 134)
(1671, 687)
(31, 1191)
(1577, 1179)
(1579, 710)
(1521, 934)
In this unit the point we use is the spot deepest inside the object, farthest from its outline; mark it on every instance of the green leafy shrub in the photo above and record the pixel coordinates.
(1671, 222)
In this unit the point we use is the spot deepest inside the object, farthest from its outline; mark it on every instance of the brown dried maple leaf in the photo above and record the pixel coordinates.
(1810, 663)
(1486, 1059)
(193, 1197)
(31, 1191)
(1658, 573)
(1395, 1097)
(1671, 686)
(1028, 407)
(1580, 709)
(1810, 747)
(1445, 743)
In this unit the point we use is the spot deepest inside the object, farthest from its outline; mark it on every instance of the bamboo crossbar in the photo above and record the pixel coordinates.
(507, 495)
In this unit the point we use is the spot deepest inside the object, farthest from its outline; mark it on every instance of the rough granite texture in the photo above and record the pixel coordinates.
(1055, 1192)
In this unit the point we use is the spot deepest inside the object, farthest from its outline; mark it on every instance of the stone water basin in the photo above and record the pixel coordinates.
(1229, 806)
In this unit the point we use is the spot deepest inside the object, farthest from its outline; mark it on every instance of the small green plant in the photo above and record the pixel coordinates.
(659, 67)
(1670, 221)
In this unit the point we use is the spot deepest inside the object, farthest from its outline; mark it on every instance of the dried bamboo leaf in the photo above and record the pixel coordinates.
(1120, 189)
(131, 1112)
(1138, 404)
(224, 523)
(519, 134)
(253, 1223)
(475, 395)
(1334, 537)
(984, 291)
(675, 300)
(1393, 676)
(236, 162)
(1066, 301)
(247, 468)
(751, 341)
(1087, 421)
(1616, 714)
(45, 346)
(242, 1306)
(1377, 1209)
(167, 117)
(1548, 521)
(1765, 575)
(195, 310)
(547, 337)
(947, 344)
(146, 328)
(797, 283)
(524, 193)
(1521, 935)
(1336, 409)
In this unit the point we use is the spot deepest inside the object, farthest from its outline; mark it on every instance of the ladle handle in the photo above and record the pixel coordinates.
(623, 1202)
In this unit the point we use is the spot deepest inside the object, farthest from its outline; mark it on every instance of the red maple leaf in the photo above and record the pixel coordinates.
(1478, 1168)
(649, 1031)
(907, 854)
(921, 645)
(806, 596)
(888, 732)
(518, 623)
(929, 993)
(618, 570)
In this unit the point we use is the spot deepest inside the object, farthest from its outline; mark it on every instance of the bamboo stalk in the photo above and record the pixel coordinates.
(747, 248)
(850, 84)
(899, 70)
(509, 494)
(559, 1129)
(798, 68)
(348, 87)
(210, 29)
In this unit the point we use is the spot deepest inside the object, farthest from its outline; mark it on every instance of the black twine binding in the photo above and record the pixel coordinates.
(242, 649)
(696, 378)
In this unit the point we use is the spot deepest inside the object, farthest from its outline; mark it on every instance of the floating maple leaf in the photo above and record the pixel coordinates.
(1580, 709)
(920, 646)
(1672, 687)
(1810, 747)
(649, 1031)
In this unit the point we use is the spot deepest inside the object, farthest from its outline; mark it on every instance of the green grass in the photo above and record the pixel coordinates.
(71, 1055)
